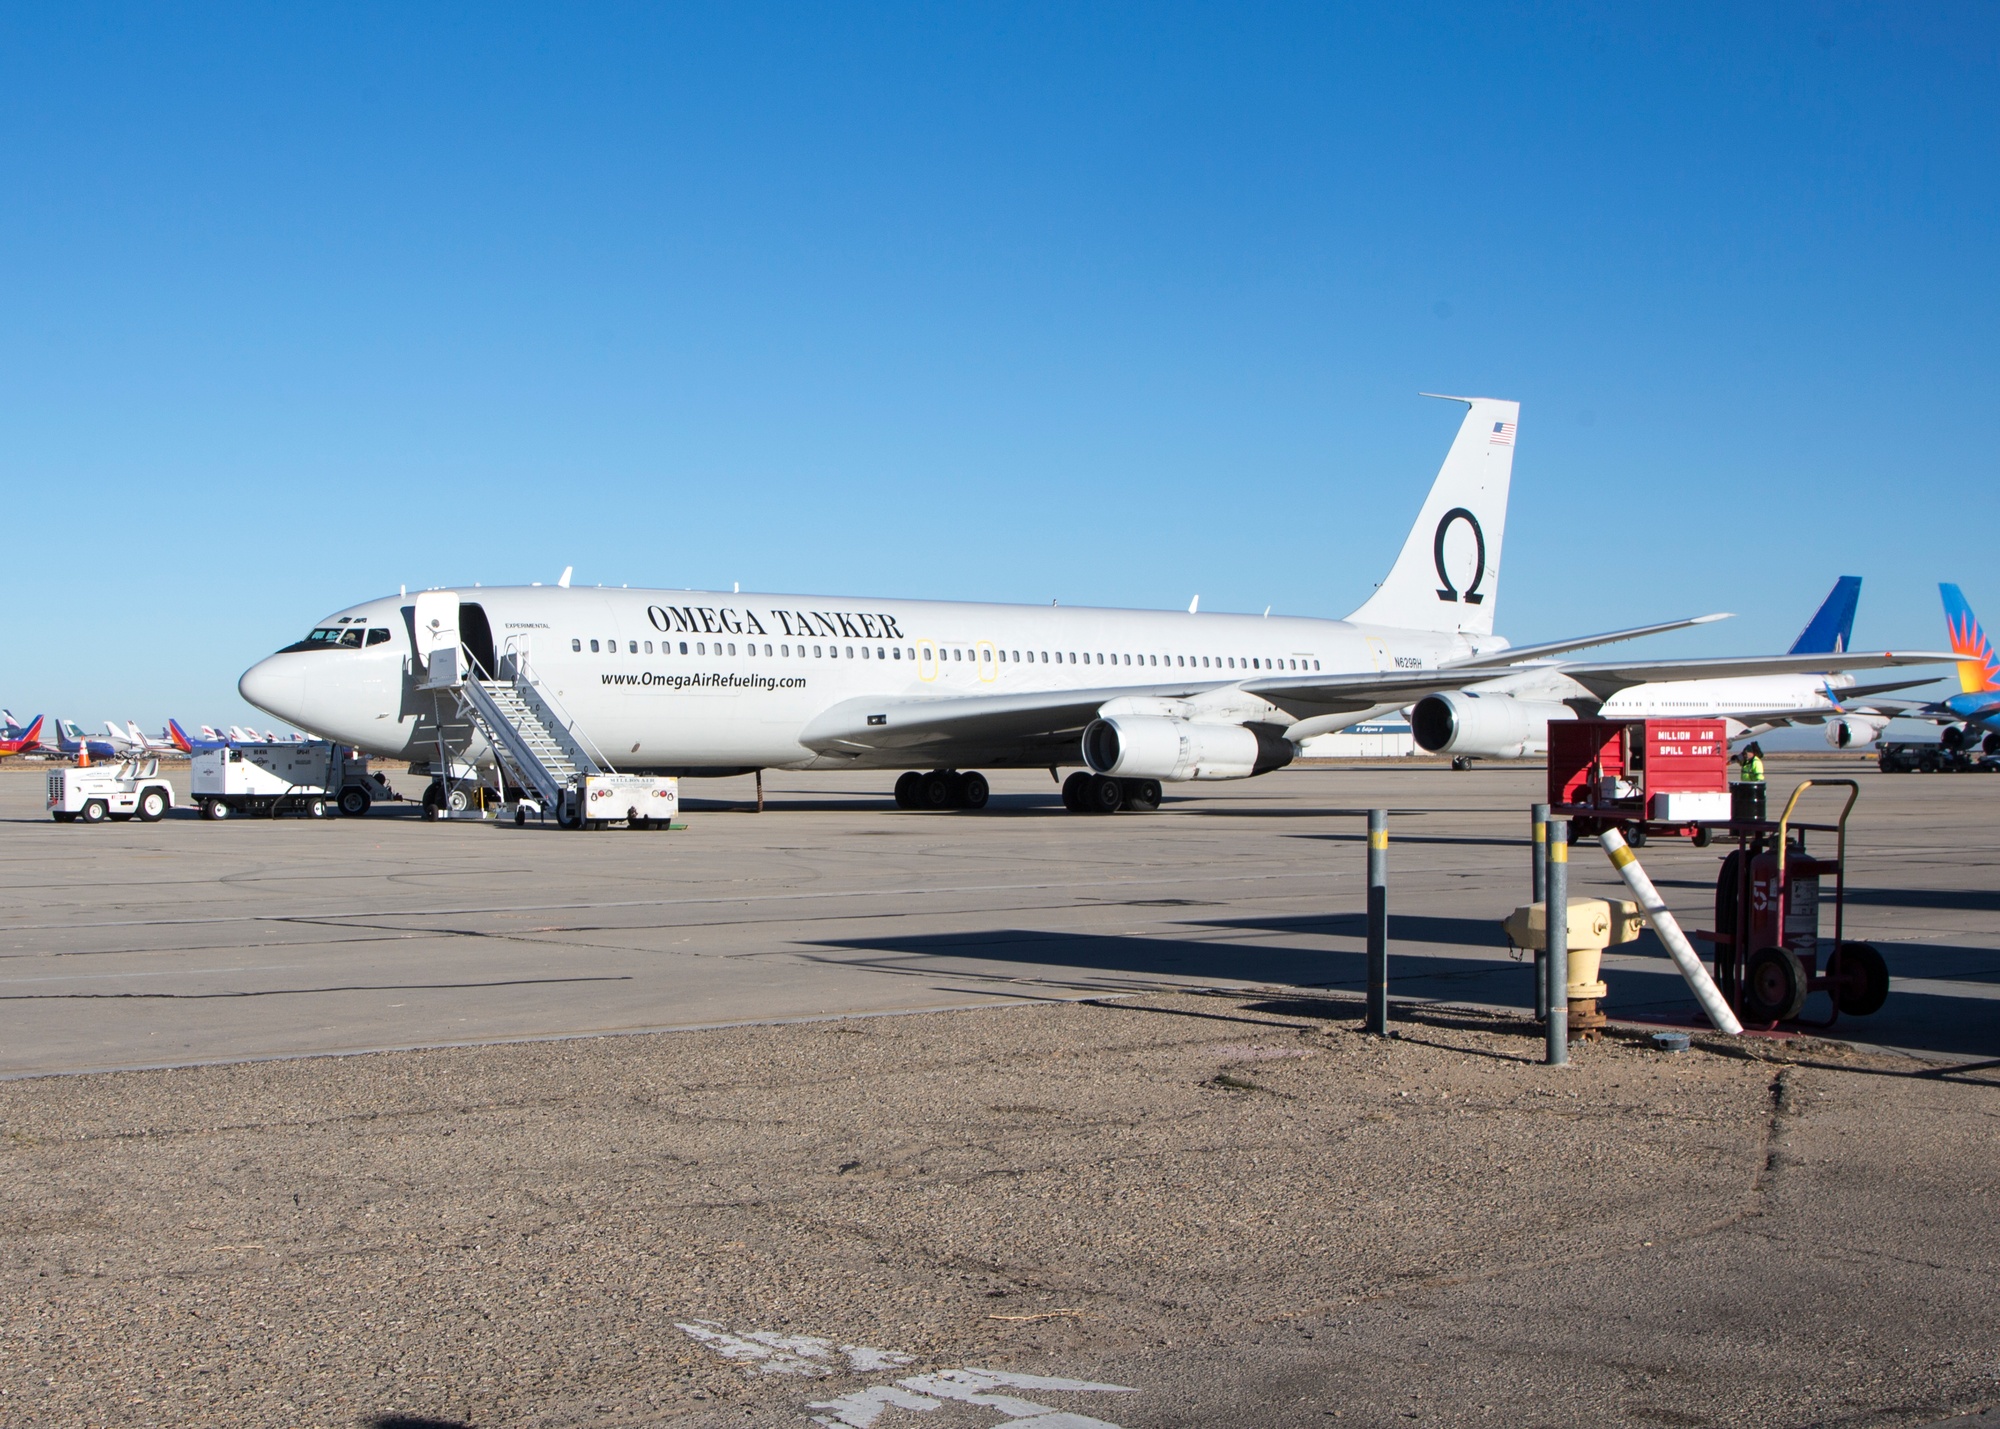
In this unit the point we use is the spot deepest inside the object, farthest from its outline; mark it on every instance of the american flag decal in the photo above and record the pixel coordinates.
(1503, 434)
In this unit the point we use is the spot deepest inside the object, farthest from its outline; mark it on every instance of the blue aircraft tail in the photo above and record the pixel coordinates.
(1831, 631)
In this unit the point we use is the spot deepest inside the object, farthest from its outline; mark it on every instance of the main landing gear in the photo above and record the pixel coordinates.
(1087, 793)
(942, 789)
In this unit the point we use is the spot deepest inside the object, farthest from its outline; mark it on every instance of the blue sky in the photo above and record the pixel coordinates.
(1111, 304)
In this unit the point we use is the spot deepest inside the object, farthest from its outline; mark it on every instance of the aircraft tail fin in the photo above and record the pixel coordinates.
(1448, 576)
(1831, 630)
(1978, 666)
(179, 736)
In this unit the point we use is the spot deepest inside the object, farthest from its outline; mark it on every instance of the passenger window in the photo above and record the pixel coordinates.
(593, 647)
(909, 654)
(767, 649)
(880, 654)
(785, 650)
(895, 652)
(632, 647)
(649, 647)
(684, 647)
(732, 647)
(701, 647)
(815, 652)
(576, 645)
(850, 652)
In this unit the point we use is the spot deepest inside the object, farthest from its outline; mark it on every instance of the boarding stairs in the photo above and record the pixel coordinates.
(536, 746)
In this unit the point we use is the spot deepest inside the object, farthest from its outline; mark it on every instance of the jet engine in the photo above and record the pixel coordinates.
(1953, 736)
(1495, 726)
(1851, 730)
(1155, 747)
(1990, 744)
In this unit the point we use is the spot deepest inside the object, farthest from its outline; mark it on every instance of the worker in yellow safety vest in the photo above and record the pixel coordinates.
(1748, 802)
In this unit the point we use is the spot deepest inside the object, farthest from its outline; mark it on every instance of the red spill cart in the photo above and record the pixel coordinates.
(1643, 776)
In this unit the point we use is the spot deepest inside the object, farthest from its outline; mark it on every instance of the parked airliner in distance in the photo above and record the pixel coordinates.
(1508, 717)
(700, 683)
(19, 740)
(1970, 718)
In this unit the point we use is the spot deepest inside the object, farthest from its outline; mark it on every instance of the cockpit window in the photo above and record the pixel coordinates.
(329, 637)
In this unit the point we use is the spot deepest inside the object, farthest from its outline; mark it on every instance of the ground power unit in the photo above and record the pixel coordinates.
(312, 778)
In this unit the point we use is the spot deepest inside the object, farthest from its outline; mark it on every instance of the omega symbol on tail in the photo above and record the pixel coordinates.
(1450, 591)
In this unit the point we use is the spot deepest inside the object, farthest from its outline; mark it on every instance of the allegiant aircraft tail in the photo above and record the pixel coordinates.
(1978, 666)
(1831, 631)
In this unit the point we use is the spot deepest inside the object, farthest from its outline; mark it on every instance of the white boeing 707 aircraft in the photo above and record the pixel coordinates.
(707, 683)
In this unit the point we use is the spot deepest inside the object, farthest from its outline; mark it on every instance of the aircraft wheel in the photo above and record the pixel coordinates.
(1075, 791)
(973, 790)
(936, 791)
(152, 806)
(1142, 795)
(909, 790)
(96, 812)
(1106, 795)
(354, 801)
(1461, 761)
(1864, 980)
(1774, 985)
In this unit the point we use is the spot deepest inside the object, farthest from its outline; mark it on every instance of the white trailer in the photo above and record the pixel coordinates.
(310, 777)
(131, 788)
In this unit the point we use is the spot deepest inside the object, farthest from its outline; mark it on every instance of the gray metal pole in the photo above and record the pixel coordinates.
(1557, 915)
(1538, 863)
(1378, 922)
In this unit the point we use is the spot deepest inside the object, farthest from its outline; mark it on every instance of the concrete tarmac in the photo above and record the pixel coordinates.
(132, 945)
(1153, 1175)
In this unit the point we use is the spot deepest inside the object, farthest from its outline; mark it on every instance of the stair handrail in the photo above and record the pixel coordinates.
(580, 747)
(508, 745)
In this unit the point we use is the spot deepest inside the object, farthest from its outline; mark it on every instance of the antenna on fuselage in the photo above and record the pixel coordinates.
(563, 579)
(1194, 604)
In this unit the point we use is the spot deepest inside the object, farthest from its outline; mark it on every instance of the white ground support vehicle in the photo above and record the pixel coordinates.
(131, 788)
(643, 801)
(312, 777)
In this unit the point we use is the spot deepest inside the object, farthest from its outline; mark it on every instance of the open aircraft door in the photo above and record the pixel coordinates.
(436, 630)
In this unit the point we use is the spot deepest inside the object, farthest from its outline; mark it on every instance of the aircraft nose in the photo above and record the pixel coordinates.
(276, 686)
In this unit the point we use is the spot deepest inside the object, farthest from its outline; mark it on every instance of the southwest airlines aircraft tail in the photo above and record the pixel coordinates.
(713, 683)
(1831, 630)
(1978, 668)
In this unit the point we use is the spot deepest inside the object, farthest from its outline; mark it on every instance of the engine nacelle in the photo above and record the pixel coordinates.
(1851, 730)
(1495, 726)
(1952, 736)
(1154, 747)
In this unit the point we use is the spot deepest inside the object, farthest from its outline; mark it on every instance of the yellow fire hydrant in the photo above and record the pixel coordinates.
(1594, 925)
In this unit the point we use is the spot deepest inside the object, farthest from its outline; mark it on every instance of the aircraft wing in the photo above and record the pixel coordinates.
(1514, 655)
(1607, 678)
(1052, 720)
